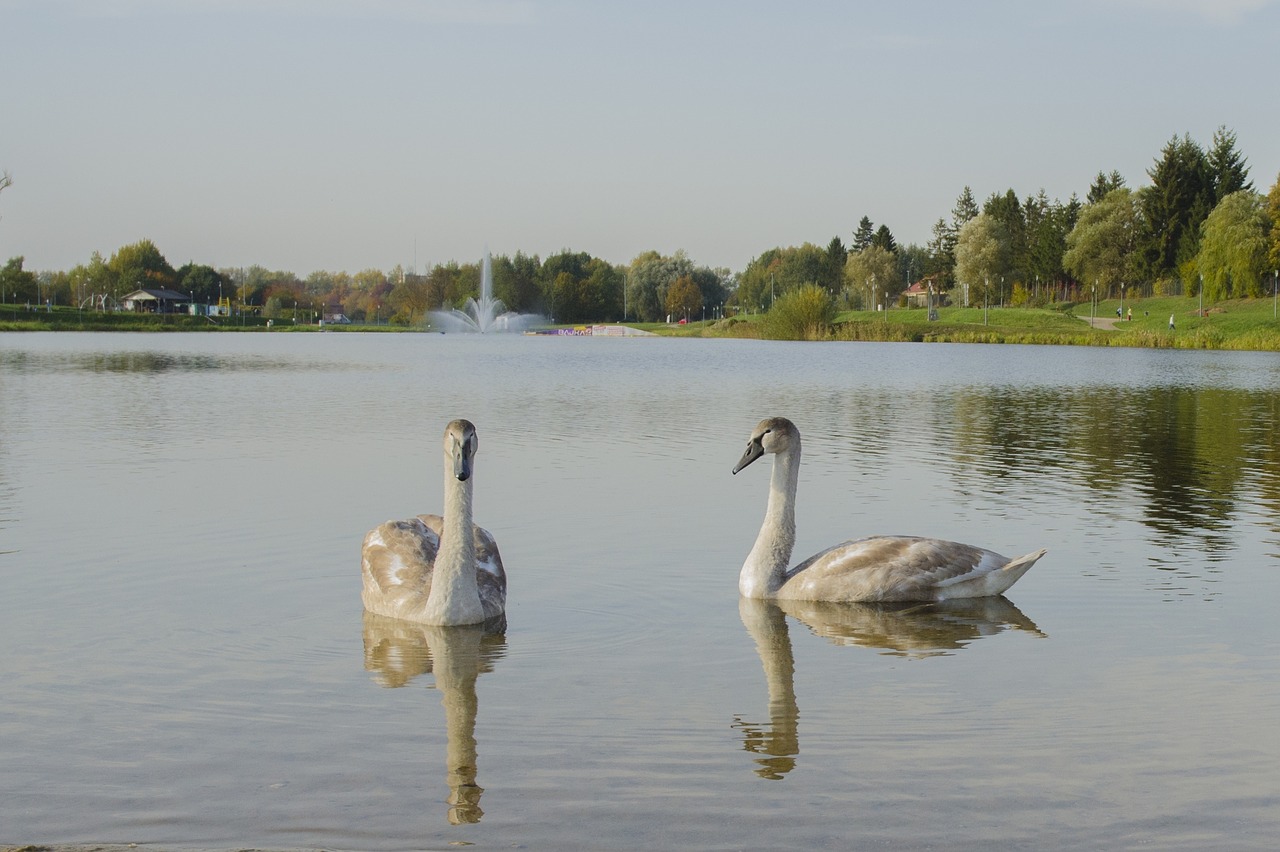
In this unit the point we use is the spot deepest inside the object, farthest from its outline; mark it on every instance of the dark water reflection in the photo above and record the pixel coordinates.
(1183, 460)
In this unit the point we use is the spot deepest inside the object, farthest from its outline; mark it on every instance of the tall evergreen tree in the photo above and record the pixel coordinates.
(1273, 211)
(862, 237)
(884, 239)
(1227, 167)
(966, 208)
(942, 252)
(1007, 210)
(1103, 184)
(1178, 200)
(833, 266)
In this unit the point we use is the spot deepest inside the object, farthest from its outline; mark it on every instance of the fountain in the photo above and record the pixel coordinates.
(485, 315)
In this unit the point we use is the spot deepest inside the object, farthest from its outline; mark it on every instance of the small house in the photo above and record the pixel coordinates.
(156, 301)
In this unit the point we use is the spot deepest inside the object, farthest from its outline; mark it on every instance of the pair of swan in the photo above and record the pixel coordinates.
(447, 570)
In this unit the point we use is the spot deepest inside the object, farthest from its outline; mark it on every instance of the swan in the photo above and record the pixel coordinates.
(879, 568)
(437, 570)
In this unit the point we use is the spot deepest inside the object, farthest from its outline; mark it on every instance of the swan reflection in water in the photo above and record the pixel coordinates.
(915, 630)
(397, 651)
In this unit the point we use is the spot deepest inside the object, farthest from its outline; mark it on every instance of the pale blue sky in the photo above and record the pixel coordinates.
(350, 134)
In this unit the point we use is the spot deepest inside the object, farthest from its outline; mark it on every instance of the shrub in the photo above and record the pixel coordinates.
(805, 313)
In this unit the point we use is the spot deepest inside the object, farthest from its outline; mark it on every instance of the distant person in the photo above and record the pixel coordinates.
(1171, 322)
(1130, 317)
(1118, 315)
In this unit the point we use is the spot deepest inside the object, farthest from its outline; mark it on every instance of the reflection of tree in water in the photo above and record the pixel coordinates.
(1192, 455)
(398, 651)
(8, 493)
(913, 630)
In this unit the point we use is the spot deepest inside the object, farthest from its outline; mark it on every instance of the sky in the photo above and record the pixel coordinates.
(344, 135)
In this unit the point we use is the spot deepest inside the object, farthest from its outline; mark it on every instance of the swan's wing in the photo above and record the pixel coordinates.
(488, 560)
(491, 577)
(888, 568)
(397, 556)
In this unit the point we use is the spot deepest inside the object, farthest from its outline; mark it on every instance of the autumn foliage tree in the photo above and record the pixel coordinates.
(684, 299)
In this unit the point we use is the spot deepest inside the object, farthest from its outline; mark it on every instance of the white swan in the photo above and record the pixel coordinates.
(880, 568)
(437, 570)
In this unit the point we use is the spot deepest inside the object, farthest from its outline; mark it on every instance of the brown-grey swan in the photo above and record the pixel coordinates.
(433, 569)
(879, 568)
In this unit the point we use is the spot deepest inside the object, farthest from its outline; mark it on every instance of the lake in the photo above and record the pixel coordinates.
(186, 662)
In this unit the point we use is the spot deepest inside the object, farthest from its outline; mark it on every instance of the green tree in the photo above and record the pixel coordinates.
(884, 239)
(684, 299)
(1178, 200)
(871, 278)
(913, 262)
(1273, 211)
(140, 265)
(603, 290)
(91, 282)
(833, 266)
(413, 297)
(1008, 211)
(1103, 184)
(1233, 250)
(982, 258)
(203, 283)
(942, 248)
(18, 285)
(863, 236)
(1100, 249)
(1227, 170)
(966, 208)
(515, 282)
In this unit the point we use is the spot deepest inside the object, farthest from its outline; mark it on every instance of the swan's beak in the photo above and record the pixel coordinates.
(462, 461)
(754, 451)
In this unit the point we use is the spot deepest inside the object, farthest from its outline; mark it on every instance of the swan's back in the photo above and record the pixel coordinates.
(903, 568)
(398, 558)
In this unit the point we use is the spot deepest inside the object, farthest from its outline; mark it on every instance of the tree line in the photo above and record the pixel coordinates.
(1197, 227)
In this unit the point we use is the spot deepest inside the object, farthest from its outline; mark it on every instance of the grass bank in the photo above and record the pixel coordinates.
(20, 318)
(1246, 324)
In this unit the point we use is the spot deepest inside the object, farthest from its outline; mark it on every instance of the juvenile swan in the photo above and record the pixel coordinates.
(437, 570)
(880, 568)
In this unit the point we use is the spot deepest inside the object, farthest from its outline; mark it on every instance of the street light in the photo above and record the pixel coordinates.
(1121, 300)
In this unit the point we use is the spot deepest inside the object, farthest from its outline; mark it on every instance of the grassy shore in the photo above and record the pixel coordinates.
(1248, 324)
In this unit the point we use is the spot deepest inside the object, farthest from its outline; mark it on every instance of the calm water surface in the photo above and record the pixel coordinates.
(185, 661)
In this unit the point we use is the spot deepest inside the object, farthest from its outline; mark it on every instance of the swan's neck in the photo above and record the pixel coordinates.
(455, 597)
(766, 566)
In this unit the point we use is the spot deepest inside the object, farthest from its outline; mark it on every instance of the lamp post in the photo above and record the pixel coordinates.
(1093, 302)
(1121, 300)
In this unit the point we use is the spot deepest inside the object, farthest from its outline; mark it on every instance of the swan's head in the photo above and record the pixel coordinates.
(772, 435)
(460, 445)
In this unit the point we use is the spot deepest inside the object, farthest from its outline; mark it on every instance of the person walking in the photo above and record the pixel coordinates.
(1171, 322)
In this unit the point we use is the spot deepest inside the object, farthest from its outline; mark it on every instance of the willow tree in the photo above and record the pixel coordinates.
(1273, 210)
(868, 271)
(982, 257)
(1101, 248)
(1233, 248)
